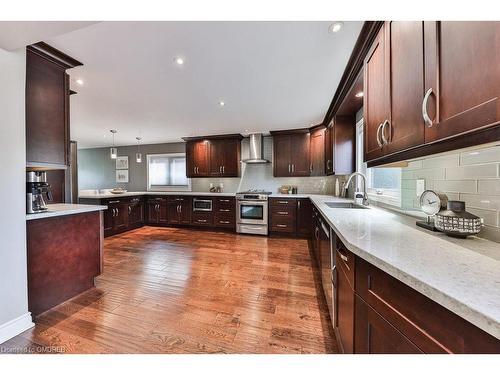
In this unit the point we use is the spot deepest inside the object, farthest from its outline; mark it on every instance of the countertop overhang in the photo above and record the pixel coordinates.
(62, 209)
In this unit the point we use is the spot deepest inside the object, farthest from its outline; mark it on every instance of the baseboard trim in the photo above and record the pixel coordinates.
(15, 327)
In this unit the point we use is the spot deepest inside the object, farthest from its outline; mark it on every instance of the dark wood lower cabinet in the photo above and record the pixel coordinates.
(179, 210)
(374, 335)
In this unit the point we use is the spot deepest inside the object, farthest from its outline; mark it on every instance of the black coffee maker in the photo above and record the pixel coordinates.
(36, 186)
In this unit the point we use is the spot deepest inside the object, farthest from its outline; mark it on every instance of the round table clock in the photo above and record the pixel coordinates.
(431, 203)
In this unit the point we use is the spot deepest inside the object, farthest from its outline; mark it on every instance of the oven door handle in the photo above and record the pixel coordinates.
(261, 203)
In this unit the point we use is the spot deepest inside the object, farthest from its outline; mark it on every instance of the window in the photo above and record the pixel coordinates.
(384, 184)
(167, 172)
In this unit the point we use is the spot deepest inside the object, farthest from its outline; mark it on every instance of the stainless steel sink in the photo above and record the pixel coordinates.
(344, 205)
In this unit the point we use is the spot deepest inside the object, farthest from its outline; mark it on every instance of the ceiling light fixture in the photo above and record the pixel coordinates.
(138, 155)
(113, 151)
(359, 94)
(222, 103)
(79, 81)
(335, 27)
(179, 60)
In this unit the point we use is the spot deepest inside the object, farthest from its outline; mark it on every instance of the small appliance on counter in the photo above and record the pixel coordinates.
(288, 189)
(431, 203)
(456, 222)
(36, 186)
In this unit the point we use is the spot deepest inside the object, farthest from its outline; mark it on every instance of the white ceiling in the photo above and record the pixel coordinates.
(271, 75)
(18, 34)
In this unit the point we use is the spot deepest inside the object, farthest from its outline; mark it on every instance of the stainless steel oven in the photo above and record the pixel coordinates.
(252, 213)
(201, 204)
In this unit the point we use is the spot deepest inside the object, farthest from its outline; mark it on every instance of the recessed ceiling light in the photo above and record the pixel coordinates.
(222, 103)
(335, 27)
(179, 60)
(359, 94)
(79, 81)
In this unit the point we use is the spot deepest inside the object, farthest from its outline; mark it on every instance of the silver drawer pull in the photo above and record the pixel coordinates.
(224, 222)
(283, 202)
(221, 210)
(282, 212)
(202, 221)
(344, 258)
(111, 202)
(224, 200)
(282, 225)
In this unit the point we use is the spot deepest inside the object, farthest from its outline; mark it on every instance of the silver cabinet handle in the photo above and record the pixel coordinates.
(382, 132)
(129, 210)
(289, 168)
(283, 202)
(316, 233)
(293, 168)
(116, 211)
(223, 222)
(425, 115)
(380, 144)
(310, 168)
(298, 204)
(201, 221)
(223, 169)
(282, 212)
(281, 225)
(223, 200)
(222, 210)
(328, 162)
(112, 202)
(334, 275)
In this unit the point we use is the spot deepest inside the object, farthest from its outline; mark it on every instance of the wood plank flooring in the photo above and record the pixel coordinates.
(174, 290)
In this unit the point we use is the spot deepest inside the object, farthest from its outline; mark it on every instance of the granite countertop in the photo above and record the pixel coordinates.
(61, 209)
(462, 275)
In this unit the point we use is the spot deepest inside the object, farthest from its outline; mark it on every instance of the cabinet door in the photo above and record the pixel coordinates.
(376, 96)
(317, 167)
(197, 158)
(173, 214)
(135, 212)
(47, 130)
(281, 156)
(304, 214)
(329, 149)
(162, 211)
(185, 210)
(231, 157)
(344, 144)
(462, 67)
(121, 217)
(152, 211)
(108, 221)
(345, 312)
(216, 152)
(406, 127)
(300, 152)
(374, 335)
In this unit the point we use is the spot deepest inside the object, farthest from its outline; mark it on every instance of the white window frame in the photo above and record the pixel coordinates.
(166, 187)
(388, 196)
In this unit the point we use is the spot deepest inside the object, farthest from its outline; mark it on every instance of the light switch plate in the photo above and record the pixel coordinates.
(420, 187)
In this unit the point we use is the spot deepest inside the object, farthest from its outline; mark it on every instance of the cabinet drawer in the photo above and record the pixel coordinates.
(286, 211)
(430, 326)
(346, 261)
(202, 218)
(283, 224)
(283, 202)
(225, 220)
(224, 204)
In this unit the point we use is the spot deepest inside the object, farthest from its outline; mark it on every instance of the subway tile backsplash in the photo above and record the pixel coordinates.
(472, 176)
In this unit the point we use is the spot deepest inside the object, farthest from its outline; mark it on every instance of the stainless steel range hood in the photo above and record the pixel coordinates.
(256, 147)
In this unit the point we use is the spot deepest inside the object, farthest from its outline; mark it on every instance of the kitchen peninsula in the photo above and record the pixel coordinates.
(64, 253)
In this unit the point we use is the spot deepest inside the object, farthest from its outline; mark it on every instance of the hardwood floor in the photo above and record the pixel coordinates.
(170, 290)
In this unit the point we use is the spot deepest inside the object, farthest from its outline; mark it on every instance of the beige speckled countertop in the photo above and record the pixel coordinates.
(62, 209)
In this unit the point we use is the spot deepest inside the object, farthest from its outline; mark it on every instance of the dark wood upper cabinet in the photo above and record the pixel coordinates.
(317, 150)
(213, 156)
(197, 158)
(430, 87)
(291, 153)
(462, 68)
(47, 106)
(340, 145)
(405, 127)
(376, 96)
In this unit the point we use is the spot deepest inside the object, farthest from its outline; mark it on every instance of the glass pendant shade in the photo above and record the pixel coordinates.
(138, 157)
(113, 152)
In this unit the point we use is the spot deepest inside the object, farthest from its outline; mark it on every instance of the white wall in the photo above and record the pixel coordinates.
(14, 316)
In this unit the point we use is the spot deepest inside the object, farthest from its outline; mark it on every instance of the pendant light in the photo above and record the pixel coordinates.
(138, 155)
(113, 150)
